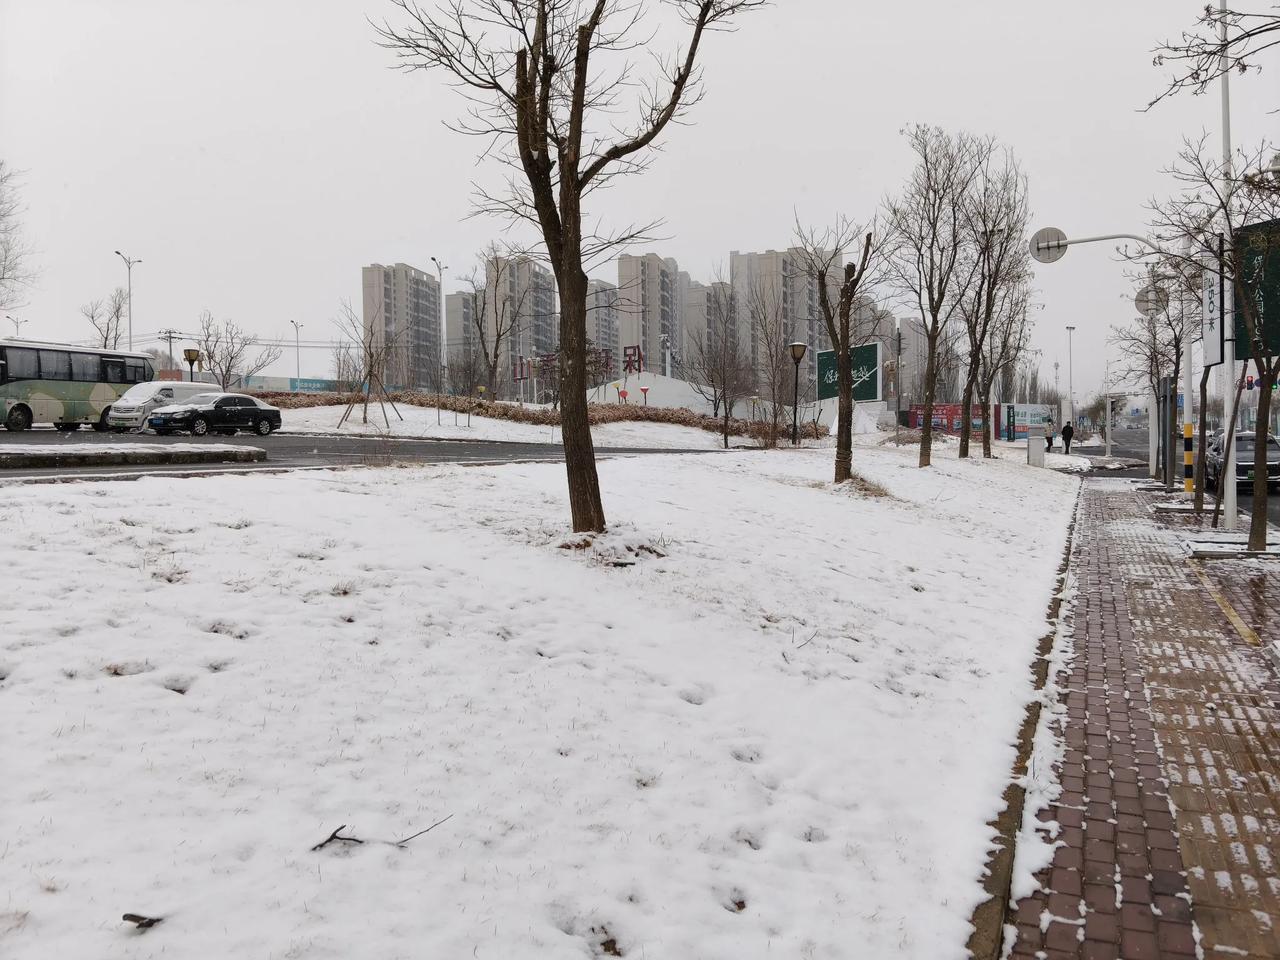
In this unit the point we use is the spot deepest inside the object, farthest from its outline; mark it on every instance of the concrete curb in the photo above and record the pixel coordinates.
(109, 458)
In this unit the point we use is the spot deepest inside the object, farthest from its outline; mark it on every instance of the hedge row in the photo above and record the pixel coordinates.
(597, 413)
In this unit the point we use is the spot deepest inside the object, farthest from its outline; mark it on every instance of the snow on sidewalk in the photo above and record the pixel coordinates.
(779, 732)
(420, 422)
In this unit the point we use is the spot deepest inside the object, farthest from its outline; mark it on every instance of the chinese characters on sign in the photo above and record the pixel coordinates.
(632, 360)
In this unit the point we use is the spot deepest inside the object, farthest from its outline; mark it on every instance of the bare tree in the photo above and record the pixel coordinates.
(772, 331)
(996, 220)
(371, 350)
(548, 82)
(466, 370)
(1243, 207)
(498, 311)
(821, 252)
(931, 261)
(347, 370)
(226, 350)
(15, 250)
(1004, 343)
(95, 311)
(716, 363)
(1222, 41)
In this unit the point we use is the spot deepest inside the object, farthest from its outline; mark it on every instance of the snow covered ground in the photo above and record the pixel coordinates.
(762, 717)
(421, 422)
(80, 449)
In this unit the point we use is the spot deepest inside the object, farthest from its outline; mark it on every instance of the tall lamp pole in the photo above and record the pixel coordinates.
(797, 354)
(444, 338)
(17, 324)
(1071, 395)
(297, 348)
(128, 263)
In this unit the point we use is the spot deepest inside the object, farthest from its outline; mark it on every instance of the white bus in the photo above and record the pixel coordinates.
(63, 384)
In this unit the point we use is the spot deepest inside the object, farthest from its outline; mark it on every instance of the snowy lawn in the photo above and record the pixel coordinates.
(421, 422)
(776, 729)
(87, 449)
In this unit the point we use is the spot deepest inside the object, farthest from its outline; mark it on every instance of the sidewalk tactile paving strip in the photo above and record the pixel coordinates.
(1170, 779)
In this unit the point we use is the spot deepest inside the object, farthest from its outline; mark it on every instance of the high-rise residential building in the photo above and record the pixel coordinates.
(460, 321)
(402, 313)
(708, 311)
(777, 296)
(519, 303)
(650, 303)
(602, 319)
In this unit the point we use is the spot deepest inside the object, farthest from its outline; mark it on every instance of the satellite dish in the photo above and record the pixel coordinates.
(1049, 244)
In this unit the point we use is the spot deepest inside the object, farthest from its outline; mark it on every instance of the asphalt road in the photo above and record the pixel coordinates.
(1132, 444)
(300, 451)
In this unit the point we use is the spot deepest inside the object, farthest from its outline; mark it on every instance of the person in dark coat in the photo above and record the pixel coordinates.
(1068, 432)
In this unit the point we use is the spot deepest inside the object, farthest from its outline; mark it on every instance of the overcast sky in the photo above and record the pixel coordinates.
(256, 153)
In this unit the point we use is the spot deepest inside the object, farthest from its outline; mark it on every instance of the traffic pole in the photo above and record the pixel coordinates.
(1188, 483)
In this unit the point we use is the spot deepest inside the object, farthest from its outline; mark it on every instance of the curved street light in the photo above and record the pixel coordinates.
(128, 263)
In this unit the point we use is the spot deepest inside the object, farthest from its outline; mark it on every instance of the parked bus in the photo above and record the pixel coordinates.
(63, 384)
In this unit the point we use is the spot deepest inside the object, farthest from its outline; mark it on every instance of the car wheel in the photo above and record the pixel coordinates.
(19, 419)
(199, 427)
(102, 426)
(262, 427)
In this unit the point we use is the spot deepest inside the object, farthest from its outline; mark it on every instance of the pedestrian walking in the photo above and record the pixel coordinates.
(1048, 436)
(1068, 431)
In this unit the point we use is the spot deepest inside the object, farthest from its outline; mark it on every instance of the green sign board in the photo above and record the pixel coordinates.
(866, 373)
(1259, 247)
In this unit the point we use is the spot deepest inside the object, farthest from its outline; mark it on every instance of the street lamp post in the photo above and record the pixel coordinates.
(797, 354)
(440, 269)
(128, 263)
(1071, 394)
(17, 324)
(297, 350)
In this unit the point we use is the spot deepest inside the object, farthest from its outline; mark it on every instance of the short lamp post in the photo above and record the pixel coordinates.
(191, 355)
(797, 354)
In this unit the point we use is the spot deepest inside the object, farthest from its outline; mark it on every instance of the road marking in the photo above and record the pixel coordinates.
(1242, 628)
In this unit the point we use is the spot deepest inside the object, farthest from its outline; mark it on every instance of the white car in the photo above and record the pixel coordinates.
(133, 408)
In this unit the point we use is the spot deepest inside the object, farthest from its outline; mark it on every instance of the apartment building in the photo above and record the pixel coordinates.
(776, 296)
(519, 301)
(402, 313)
(708, 310)
(602, 319)
(651, 292)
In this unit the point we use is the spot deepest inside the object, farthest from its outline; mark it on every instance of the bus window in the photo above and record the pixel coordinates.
(22, 364)
(137, 371)
(86, 367)
(113, 370)
(55, 365)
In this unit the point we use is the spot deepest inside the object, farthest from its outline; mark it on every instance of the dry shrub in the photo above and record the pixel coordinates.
(867, 488)
(598, 413)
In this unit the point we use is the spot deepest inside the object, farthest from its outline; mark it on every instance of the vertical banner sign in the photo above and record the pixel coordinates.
(1211, 314)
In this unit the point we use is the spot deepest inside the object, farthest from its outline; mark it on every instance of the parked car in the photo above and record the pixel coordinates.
(1245, 450)
(135, 405)
(216, 413)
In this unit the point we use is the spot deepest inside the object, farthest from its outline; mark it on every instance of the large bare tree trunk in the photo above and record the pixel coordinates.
(984, 398)
(966, 406)
(930, 388)
(844, 425)
(585, 504)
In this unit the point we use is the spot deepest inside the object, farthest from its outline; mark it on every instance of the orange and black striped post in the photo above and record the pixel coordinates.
(1188, 469)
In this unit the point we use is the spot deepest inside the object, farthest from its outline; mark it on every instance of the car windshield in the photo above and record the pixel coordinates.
(202, 398)
(139, 392)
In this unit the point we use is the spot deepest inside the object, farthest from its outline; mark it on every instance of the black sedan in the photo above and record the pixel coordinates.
(207, 413)
(1245, 449)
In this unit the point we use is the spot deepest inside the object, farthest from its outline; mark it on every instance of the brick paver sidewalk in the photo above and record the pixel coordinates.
(1170, 781)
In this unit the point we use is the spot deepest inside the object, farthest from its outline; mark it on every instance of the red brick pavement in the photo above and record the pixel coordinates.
(1167, 814)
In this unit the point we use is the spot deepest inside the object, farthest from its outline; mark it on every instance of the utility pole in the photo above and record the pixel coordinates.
(169, 335)
(128, 263)
(440, 269)
(297, 349)
(17, 324)
(1071, 396)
